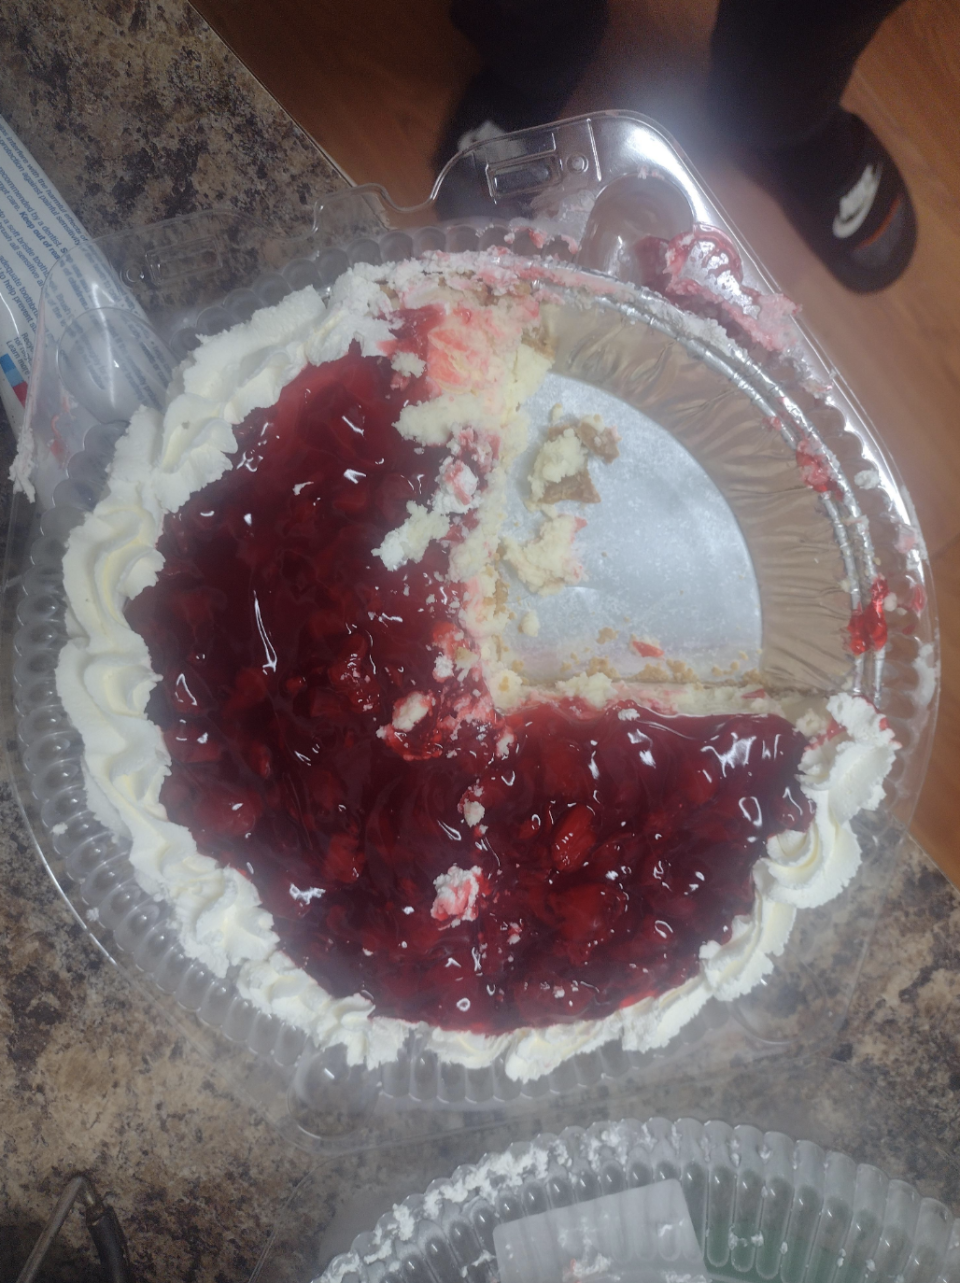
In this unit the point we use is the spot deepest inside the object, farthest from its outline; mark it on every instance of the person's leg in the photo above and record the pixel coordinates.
(779, 68)
(534, 52)
(539, 48)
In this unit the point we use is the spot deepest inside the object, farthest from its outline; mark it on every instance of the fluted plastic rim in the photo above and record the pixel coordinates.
(764, 1207)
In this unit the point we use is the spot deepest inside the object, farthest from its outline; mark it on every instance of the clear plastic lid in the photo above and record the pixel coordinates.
(793, 1171)
(589, 200)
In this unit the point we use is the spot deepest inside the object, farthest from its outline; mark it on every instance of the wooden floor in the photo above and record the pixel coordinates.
(373, 81)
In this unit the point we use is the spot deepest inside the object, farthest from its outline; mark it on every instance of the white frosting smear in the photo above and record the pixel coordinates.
(105, 678)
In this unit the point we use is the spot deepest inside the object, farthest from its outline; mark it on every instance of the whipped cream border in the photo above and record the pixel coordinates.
(104, 679)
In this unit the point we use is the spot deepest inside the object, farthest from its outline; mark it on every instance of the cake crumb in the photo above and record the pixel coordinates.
(560, 471)
(594, 688)
(546, 563)
(473, 812)
(530, 624)
(598, 438)
(411, 709)
(457, 891)
(733, 667)
(652, 673)
(507, 689)
(408, 363)
(464, 659)
(600, 664)
(606, 635)
(442, 668)
(681, 672)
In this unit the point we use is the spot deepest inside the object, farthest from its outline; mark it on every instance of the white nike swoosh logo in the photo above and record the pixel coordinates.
(856, 205)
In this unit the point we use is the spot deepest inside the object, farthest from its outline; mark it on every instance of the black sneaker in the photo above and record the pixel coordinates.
(488, 109)
(843, 192)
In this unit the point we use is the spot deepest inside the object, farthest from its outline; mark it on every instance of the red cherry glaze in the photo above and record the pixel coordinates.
(610, 848)
(815, 470)
(867, 627)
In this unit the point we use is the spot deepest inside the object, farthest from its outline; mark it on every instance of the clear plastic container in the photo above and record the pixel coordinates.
(643, 1234)
(575, 198)
(798, 1171)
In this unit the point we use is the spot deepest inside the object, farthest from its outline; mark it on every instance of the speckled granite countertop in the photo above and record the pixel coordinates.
(138, 112)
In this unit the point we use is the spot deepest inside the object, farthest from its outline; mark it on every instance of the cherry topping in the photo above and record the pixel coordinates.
(324, 742)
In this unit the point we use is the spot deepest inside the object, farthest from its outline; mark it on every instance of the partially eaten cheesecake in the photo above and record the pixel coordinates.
(288, 658)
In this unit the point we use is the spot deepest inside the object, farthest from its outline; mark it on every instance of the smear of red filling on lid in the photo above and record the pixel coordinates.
(867, 628)
(815, 470)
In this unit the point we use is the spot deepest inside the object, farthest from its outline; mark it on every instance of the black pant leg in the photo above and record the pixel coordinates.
(779, 67)
(539, 48)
